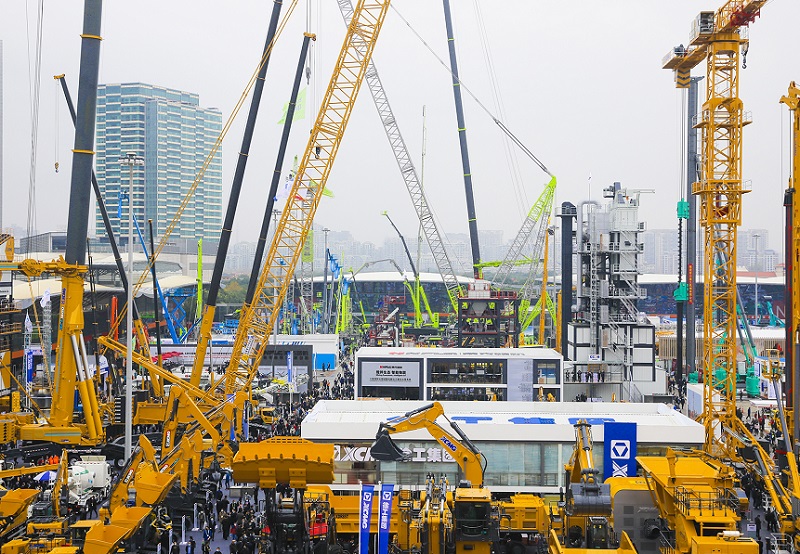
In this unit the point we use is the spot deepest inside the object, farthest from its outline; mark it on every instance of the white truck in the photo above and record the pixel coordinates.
(89, 478)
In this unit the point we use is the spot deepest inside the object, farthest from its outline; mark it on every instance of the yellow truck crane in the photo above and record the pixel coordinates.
(698, 504)
(475, 520)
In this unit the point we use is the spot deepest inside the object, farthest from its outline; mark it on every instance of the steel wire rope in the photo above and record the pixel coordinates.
(464, 87)
(207, 162)
(499, 106)
(34, 84)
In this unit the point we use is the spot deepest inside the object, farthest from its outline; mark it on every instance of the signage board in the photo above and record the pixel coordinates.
(390, 373)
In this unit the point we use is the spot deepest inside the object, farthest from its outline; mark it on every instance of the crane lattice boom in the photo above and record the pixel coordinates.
(259, 318)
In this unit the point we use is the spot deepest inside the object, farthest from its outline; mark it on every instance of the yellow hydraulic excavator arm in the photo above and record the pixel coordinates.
(463, 451)
(141, 473)
(61, 483)
(207, 436)
(581, 465)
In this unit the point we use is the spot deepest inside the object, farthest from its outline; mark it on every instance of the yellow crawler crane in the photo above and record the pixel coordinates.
(698, 504)
(258, 319)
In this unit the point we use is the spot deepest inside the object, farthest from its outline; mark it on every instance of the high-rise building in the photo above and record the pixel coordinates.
(173, 134)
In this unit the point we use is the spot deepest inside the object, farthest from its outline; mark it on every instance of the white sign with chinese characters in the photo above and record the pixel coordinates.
(390, 374)
(433, 454)
(520, 380)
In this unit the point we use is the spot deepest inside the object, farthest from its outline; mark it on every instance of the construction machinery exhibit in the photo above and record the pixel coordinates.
(694, 500)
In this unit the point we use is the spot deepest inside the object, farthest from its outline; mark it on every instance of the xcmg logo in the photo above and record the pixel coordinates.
(366, 506)
(448, 443)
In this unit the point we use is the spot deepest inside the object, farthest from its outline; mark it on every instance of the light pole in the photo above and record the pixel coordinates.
(131, 160)
(756, 236)
(325, 231)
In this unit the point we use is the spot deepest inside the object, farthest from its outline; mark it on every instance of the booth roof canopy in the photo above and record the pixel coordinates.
(358, 420)
(421, 352)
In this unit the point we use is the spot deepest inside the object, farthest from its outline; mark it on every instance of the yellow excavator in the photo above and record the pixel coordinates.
(140, 474)
(582, 522)
(464, 519)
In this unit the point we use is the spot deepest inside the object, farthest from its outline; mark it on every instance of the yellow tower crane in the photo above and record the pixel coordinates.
(717, 38)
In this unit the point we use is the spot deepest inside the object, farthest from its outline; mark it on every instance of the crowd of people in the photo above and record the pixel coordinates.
(288, 416)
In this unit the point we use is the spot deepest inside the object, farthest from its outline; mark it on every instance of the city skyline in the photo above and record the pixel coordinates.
(633, 133)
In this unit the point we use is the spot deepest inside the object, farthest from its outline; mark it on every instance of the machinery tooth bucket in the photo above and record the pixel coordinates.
(385, 450)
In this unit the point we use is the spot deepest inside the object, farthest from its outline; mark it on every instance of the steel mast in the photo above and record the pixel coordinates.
(462, 141)
(716, 38)
(207, 322)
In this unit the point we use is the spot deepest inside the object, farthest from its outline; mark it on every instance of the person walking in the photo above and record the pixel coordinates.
(225, 522)
(174, 549)
(758, 528)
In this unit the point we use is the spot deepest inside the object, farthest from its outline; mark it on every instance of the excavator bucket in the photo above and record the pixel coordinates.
(14, 509)
(287, 460)
(102, 539)
(385, 450)
(153, 486)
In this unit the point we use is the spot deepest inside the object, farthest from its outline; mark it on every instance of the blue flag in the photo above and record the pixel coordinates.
(364, 517)
(385, 518)
(619, 449)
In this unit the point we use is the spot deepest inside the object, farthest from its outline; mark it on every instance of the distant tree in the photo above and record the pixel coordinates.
(234, 291)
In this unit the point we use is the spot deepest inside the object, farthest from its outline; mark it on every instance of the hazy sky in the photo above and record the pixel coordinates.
(581, 83)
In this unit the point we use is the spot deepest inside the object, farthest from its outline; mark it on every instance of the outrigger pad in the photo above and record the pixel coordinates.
(385, 450)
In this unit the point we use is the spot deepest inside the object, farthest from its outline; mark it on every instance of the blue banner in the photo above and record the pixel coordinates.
(29, 365)
(290, 370)
(364, 517)
(385, 518)
(233, 425)
(246, 422)
(619, 452)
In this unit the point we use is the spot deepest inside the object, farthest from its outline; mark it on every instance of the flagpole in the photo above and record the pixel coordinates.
(378, 527)
(360, 510)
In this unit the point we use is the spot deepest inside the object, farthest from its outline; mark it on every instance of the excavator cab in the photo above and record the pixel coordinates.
(384, 448)
(598, 534)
